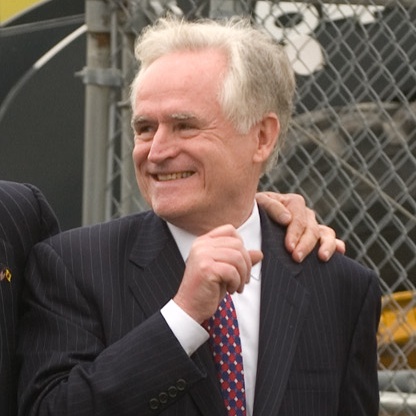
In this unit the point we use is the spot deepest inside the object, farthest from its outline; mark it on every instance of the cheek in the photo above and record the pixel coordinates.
(139, 154)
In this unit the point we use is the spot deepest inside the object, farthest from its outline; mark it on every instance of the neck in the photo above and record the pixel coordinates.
(205, 223)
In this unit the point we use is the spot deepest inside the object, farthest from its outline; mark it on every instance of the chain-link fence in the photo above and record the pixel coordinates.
(351, 150)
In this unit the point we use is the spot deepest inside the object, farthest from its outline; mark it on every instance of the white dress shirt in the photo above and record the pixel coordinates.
(192, 335)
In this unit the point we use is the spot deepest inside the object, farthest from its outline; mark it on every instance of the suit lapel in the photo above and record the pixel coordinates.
(284, 304)
(160, 267)
(154, 281)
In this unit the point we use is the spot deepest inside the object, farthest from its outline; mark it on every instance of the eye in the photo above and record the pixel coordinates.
(144, 131)
(186, 128)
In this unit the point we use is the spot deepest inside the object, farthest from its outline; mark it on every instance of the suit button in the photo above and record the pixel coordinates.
(181, 384)
(172, 391)
(154, 403)
(163, 397)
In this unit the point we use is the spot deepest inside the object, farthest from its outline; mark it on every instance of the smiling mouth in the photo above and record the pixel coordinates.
(173, 176)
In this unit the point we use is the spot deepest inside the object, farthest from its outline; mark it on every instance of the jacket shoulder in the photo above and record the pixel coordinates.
(25, 215)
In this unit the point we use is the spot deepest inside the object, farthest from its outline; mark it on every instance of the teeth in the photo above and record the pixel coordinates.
(173, 176)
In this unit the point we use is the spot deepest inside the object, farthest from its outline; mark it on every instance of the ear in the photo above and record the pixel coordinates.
(267, 135)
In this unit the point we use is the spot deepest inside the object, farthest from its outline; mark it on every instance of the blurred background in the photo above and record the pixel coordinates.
(41, 100)
(65, 70)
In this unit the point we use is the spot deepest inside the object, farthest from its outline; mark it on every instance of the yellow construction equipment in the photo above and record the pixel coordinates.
(397, 331)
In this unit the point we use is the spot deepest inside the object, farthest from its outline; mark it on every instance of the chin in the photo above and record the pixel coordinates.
(167, 210)
(177, 214)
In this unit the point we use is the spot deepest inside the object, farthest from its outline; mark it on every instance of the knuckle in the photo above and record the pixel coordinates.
(297, 199)
(326, 232)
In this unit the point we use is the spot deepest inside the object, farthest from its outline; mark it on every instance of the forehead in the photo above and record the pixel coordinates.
(180, 77)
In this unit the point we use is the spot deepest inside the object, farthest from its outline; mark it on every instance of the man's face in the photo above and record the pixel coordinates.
(192, 166)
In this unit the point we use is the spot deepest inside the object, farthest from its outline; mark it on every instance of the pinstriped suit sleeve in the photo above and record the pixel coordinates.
(359, 388)
(342, 342)
(87, 348)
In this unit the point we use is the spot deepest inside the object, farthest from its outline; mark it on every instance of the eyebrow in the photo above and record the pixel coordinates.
(138, 119)
(174, 116)
(183, 116)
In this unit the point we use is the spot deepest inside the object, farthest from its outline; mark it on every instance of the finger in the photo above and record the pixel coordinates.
(242, 262)
(226, 237)
(329, 243)
(239, 261)
(223, 231)
(341, 246)
(226, 247)
(303, 218)
(296, 232)
(255, 256)
(229, 278)
(211, 257)
(274, 207)
(307, 239)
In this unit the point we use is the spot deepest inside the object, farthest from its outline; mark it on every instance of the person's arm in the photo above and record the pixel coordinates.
(359, 392)
(303, 231)
(73, 365)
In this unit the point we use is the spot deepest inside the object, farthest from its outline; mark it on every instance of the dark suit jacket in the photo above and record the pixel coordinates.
(94, 341)
(25, 219)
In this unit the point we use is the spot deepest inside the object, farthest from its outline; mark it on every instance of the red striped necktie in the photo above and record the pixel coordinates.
(225, 345)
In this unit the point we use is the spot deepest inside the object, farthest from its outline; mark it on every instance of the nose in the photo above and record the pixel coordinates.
(163, 145)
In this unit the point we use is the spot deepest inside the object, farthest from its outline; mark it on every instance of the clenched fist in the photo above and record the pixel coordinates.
(217, 263)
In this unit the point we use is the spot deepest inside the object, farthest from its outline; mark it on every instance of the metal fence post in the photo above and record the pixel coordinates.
(129, 191)
(97, 80)
(228, 8)
(130, 198)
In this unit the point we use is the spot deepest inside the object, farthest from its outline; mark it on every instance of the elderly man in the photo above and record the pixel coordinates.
(26, 218)
(196, 307)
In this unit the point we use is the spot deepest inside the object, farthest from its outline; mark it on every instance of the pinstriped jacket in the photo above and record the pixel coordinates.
(25, 219)
(93, 341)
